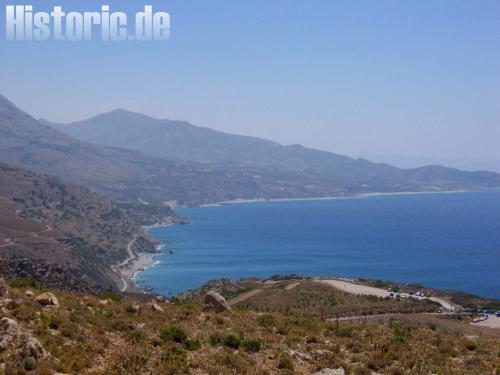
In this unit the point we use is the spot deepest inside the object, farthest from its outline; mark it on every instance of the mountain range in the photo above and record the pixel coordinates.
(276, 171)
(129, 157)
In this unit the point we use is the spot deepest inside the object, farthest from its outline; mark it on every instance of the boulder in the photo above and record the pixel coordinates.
(9, 331)
(13, 335)
(320, 353)
(104, 302)
(33, 348)
(133, 308)
(156, 307)
(3, 288)
(29, 293)
(9, 304)
(47, 299)
(329, 371)
(214, 301)
(160, 299)
(299, 355)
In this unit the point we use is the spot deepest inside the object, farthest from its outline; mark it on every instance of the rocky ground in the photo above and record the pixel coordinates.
(48, 332)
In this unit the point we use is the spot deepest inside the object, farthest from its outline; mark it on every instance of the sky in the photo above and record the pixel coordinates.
(408, 82)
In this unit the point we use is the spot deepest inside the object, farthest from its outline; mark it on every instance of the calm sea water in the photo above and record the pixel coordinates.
(449, 241)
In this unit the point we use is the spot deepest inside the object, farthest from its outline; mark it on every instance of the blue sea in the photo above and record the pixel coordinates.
(442, 240)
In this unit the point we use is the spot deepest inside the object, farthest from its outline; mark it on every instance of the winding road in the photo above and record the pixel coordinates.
(116, 268)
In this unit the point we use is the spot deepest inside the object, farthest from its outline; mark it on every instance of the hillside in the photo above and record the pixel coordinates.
(132, 177)
(62, 234)
(184, 141)
(69, 333)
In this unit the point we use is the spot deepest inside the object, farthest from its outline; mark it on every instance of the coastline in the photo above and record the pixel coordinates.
(128, 269)
(145, 261)
(135, 263)
(129, 272)
(158, 225)
(336, 197)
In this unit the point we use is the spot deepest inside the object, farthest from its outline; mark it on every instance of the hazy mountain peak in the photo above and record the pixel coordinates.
(118, 114)
(7, 105)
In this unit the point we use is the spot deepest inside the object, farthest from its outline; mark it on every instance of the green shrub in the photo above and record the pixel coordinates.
(135, 336)
(401, 334)
(285, 363)
(110, 295)
(470, 345)
(28, 282)
(174, 333)
(192, 345)
(215, 340)
(304, 323)
(267, 321)
(232, 341)
(251, 345)
(53, 322)
(174, 361)
(344, 331)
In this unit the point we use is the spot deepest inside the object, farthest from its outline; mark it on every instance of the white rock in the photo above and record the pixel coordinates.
(156, 307)
(329, 371)
(29, 293)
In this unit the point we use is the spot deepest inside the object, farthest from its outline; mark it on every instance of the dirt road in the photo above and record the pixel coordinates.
(352, 288)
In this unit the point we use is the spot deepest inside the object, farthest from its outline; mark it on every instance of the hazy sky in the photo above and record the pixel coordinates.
(394, 80)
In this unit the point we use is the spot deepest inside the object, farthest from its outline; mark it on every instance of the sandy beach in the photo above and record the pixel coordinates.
(134, 263)
(128, 270)
(335, 197)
